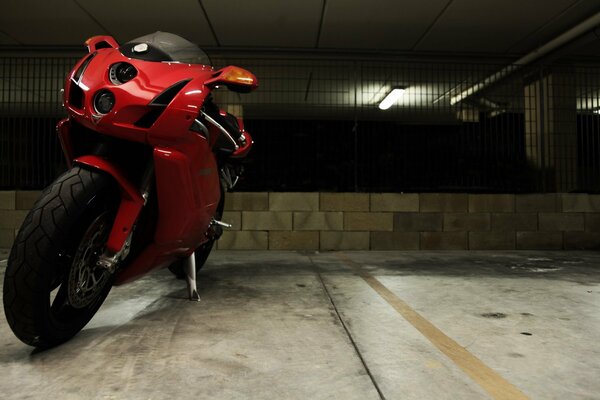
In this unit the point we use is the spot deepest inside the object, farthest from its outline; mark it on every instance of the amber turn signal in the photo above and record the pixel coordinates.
(235, 78)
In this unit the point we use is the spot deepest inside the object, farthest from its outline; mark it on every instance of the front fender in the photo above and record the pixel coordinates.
(131, 201)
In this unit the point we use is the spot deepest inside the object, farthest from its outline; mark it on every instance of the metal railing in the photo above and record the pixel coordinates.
(317, 125)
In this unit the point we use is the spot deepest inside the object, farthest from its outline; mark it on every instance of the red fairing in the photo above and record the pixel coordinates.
(133, 98)
(98, 42)
(63, 129)
(155, 108)
(131, 201)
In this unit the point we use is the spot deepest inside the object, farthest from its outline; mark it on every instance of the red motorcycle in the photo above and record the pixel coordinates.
(150, 156)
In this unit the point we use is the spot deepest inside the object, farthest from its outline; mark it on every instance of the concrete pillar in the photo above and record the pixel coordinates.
(551, 130)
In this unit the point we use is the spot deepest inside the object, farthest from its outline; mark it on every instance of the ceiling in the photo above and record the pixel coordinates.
(490, 27)
(327, 86)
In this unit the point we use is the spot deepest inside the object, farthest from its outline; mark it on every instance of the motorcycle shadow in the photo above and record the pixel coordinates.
(140, 316)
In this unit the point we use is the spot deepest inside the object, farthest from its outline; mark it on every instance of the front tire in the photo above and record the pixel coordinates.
(52, 286)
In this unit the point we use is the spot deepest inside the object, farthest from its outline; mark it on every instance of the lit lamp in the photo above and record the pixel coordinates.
(392, 98)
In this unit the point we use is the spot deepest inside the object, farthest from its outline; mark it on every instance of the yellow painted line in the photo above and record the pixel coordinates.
(491, 381)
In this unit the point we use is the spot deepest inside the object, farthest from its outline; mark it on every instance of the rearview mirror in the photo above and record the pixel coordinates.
(235, 78)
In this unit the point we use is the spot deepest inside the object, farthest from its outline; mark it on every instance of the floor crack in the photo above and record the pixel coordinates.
(352, 341)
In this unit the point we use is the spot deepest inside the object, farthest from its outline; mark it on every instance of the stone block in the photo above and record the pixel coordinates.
(7, 200)
(364, 221)
(491, 203)
(339, 240)
(319, 221)
(7, 220)
(418, 222)
(539, 240)
(580, 202)
(467, 222)
(234, 218)
(266, 221)
(289, 240)
(7, 236)
(492, 240)
(26, 198)
(552, 222)
(582, 240)
(509, 222)
(394, 240)
(344, 202)
(243, 240)
(537, 203)
(247, 201)
(293, 201)
(394, 202)
(19, 217)
(444, 202)
(444, 240)
(592, 222)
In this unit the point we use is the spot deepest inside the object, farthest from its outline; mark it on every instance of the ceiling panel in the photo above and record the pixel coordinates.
(126, 20)
(489, 26)
(377, 24)
(44, 22)
(566, 20)
(266, 23)
(477, 26)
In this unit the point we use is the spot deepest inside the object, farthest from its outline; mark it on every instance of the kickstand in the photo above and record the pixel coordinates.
(189, 267)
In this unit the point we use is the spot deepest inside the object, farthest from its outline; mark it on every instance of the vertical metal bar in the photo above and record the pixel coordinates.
(355, 127)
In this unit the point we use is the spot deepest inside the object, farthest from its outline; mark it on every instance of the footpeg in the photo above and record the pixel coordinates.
(189, 268)
(221, 223)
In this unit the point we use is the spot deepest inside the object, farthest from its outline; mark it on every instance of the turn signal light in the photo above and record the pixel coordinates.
(235, 78)
(239, 76)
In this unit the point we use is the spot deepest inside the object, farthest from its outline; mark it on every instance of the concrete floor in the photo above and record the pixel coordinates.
(287, 325)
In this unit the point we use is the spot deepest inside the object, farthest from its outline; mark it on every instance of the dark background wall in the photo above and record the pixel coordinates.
(317, 127)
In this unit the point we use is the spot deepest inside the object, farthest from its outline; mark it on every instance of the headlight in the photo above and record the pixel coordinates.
(122, 73)
(104, 102)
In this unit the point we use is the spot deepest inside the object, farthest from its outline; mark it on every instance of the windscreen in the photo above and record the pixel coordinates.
(164, 46)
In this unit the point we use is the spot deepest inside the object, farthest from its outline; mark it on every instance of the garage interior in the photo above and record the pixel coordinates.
(446, 247)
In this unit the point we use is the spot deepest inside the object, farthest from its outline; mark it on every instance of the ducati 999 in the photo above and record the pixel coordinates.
(150, 157)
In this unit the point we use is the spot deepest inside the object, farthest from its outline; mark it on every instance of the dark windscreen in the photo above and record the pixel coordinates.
(164, 46)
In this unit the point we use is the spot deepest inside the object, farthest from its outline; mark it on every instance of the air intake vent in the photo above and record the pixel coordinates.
(82, 67)
(76, 96)
(163, 99)
(159, 104)
(149, 118)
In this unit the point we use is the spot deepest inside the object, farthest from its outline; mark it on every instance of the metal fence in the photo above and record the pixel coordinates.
(317, 125)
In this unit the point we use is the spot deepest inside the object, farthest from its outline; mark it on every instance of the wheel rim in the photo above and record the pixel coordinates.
(86, 280)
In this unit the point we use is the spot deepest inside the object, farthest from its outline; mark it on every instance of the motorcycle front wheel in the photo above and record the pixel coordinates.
(52, 285)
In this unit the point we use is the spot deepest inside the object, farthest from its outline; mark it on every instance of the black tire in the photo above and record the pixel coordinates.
(52, 287)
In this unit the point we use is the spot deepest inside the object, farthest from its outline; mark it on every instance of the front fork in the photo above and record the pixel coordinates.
(111, 258)
(132, 201)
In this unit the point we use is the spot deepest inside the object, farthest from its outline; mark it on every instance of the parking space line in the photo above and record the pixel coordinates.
(491, 381)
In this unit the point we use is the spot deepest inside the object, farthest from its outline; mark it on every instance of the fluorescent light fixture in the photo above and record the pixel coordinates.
(391, 98)
(596, 111)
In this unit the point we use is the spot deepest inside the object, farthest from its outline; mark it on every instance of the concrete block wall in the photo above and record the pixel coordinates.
(413, 221)
(14, 206)
(387, 221)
